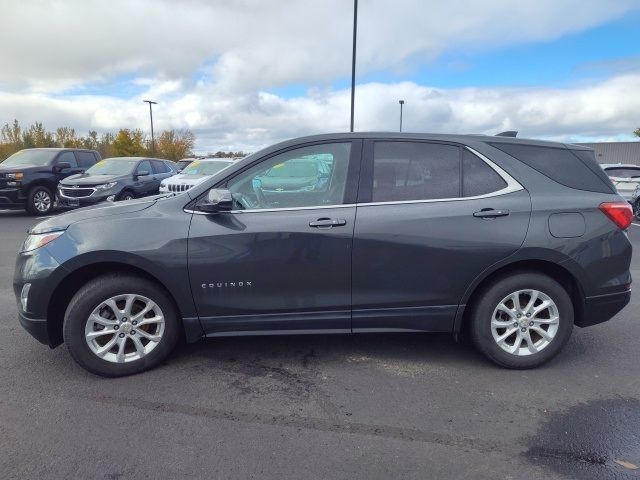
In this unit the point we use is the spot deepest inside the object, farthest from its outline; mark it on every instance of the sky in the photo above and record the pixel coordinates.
(243, 74)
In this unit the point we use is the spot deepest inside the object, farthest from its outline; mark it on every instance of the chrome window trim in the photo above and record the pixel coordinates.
(512, 186)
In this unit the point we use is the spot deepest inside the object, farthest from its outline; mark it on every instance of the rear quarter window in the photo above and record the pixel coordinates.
(573, 169)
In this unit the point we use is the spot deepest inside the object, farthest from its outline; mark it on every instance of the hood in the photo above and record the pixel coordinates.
(185, 179)
(87, 179)
(62, 221)
(22, 168)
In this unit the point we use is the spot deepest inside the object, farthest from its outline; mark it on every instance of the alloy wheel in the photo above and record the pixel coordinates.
(525, 322)
(42, 201)
(124, 328)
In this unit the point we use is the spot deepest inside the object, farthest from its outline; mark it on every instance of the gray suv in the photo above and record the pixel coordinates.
(510, 242)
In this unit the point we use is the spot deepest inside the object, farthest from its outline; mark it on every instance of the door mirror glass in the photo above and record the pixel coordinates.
(143, 173)
(217, 200)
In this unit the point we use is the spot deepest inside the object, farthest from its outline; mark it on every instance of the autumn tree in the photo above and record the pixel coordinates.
(637, 132)
(175, 144)
(129, 143)
(36, 136)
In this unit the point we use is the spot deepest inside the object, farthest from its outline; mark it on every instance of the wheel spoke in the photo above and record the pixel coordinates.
(546, 321)
(122, 342)
(532, 348)
(101, 352)
(100, 333)
(150, 336)
(138, 345)
(516, 344)
(503, 308)
(95, 318)
(506, 334)
(540, 308)
(532, 301)
(148, 307)
(515, 299)
(128, 305)
(111, 303)
(542, 333)
(152, 320)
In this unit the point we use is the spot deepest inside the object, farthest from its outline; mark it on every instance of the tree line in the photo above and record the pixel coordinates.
(169, 144)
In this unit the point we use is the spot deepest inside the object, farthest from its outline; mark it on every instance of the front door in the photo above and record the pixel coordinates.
(430, 218)
(281, 260)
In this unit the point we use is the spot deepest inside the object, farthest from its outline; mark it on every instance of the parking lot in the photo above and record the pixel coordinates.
(369, 406)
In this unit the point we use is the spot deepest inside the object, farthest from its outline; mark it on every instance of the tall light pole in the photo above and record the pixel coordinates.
(353, 59)
(153, 145)
(401, 104)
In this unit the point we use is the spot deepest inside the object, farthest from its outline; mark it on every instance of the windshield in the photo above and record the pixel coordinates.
(113, 166)
(30, 157)
(294, 169)
(204, 168)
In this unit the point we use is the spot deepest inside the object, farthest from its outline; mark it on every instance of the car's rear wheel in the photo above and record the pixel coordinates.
(39, 201)
(522, 321)
(118, 325)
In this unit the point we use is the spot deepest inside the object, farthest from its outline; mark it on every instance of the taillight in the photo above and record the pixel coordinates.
(620, 213)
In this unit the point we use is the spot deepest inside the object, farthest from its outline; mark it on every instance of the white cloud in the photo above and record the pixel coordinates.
(251, 120)
(257, 44)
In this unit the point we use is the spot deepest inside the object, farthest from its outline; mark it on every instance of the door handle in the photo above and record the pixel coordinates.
(328, 223)
(491, 213)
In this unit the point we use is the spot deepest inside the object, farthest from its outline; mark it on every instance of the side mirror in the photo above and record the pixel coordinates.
(142, 173)
(217, 200)
(62, 165)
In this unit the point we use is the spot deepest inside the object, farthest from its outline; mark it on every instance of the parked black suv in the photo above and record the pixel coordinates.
(28, 178)
(122, 178)
(510, 241)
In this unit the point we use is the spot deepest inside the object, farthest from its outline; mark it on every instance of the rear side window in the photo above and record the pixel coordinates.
(559, 164)
(86, 159)
(415, 171)
(478, 178)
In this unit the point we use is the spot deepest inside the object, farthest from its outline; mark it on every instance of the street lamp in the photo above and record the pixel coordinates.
(401, 104)
(151, 102)
(353, 59)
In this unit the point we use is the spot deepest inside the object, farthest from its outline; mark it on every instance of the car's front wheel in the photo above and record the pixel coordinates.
(119, 325)
(39, 201)
(522, 321)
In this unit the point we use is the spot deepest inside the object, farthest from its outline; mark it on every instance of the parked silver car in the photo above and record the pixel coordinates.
(626, 178)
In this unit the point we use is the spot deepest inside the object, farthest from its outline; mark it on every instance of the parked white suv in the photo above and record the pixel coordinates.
(193, 174)
(625, 177)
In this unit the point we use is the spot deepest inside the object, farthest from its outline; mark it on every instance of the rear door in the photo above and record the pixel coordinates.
(430, 218)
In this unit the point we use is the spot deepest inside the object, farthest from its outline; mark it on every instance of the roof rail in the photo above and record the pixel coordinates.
(508, 133)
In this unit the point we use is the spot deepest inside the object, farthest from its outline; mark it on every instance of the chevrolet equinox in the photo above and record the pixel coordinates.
(510, 242)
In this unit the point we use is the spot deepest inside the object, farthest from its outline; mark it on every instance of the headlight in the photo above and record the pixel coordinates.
(37, 240)
(15, 176)
(106, 186)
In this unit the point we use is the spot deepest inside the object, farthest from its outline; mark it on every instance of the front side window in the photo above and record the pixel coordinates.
(304, 177)
(68, 157)
(415, 171)
(144, 166)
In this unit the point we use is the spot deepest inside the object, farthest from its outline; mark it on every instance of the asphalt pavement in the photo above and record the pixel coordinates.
(376, 406)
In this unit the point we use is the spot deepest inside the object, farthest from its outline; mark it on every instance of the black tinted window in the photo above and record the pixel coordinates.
(86, 159)
(144, 166)
(68, 157)
(559, 164)
(478, 178)
(415, 171)
(623, 172)
(160, 167)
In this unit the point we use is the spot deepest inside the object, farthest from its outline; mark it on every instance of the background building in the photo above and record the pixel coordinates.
(616, 152)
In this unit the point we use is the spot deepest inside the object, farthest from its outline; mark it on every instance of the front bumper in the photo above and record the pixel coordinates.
(12, 197)
(603, 307)
(37, 327)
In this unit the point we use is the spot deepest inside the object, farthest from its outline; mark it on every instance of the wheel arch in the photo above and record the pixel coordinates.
(557, 271)
(74, 280)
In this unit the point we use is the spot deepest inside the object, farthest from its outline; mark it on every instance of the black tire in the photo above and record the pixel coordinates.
(489, 298)
(100, 289)
(126, 195)
(35, 198)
